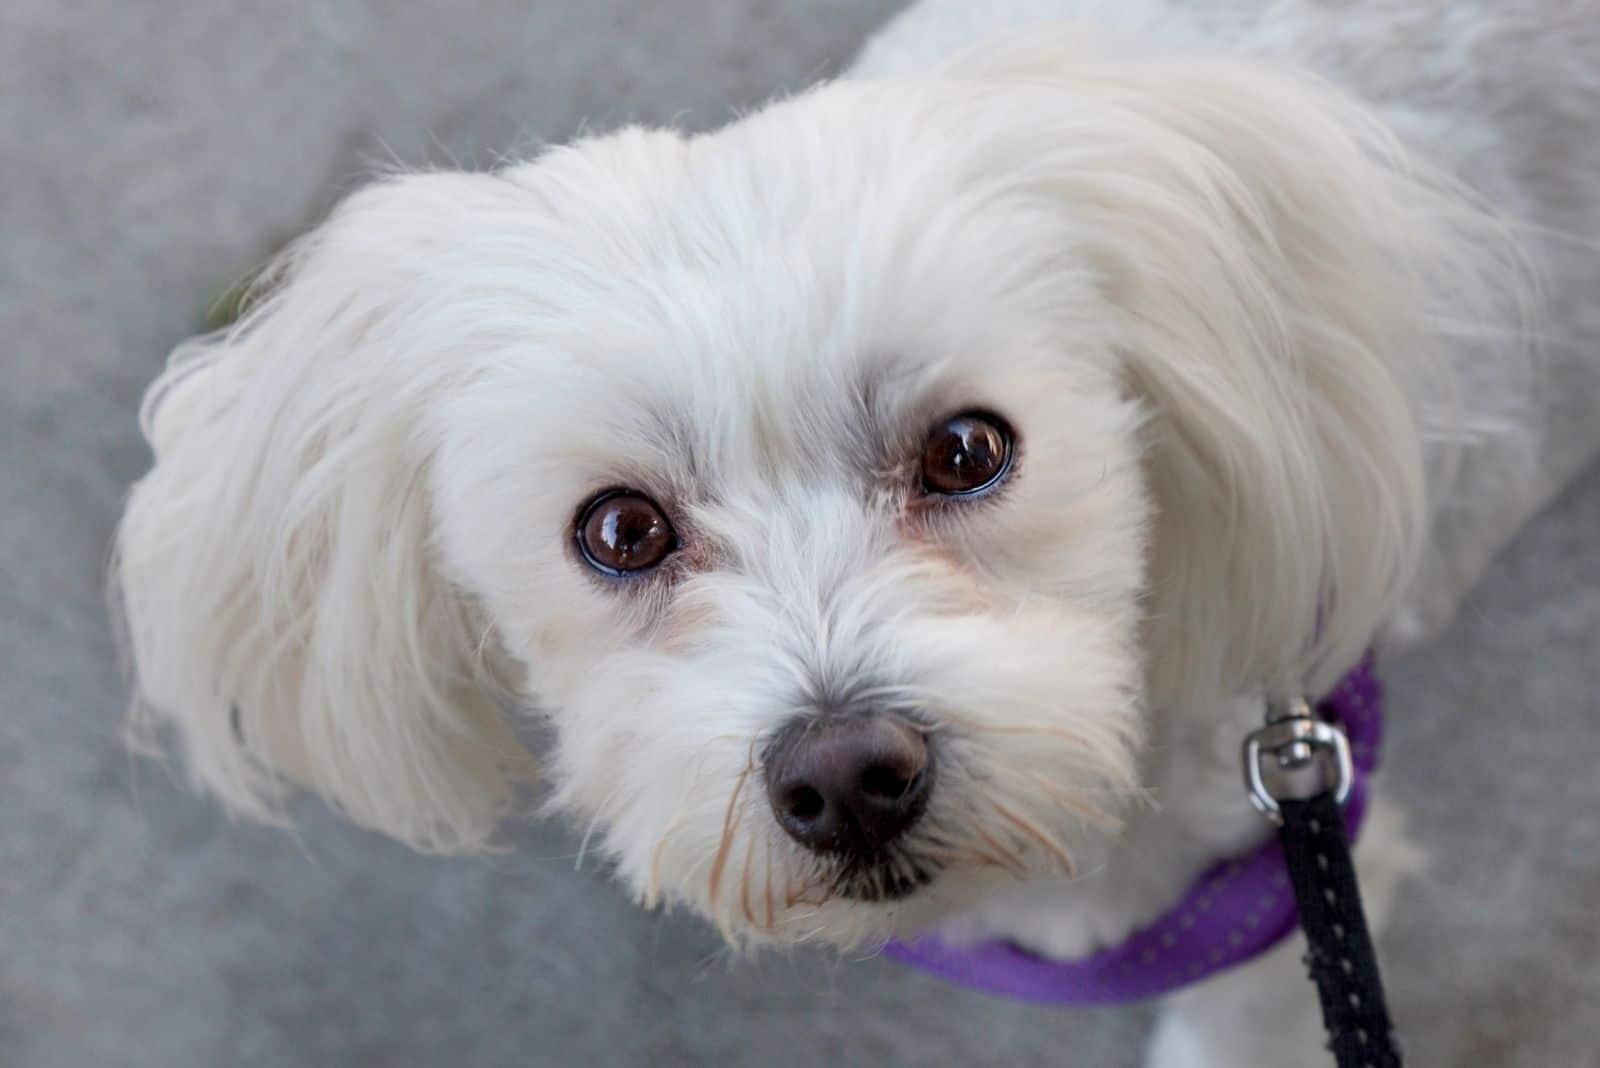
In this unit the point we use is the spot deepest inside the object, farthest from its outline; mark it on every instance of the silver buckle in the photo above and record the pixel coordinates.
(1295, 737)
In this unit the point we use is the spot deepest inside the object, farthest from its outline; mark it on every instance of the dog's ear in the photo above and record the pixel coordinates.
(1280, 264)
(283, 603)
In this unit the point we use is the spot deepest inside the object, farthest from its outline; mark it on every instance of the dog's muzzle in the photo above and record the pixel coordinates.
(850, 786)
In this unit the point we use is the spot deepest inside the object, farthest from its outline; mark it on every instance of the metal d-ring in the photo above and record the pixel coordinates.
(1294, 736)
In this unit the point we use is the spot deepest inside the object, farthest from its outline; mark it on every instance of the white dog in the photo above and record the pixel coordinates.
(904, 498)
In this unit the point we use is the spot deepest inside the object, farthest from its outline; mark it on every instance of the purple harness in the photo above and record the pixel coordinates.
(1236, 911)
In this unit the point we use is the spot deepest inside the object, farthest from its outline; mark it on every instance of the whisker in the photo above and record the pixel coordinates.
(899, 869)
(481, 651)
(744, 882)
(652, 890)
(767, 857)
(1077, 804)
(965, 857)
(798, 897)
(594, 821)
(1003, 856)
(727, 836)
(800, 916)
(1038, 834)
(809, 936)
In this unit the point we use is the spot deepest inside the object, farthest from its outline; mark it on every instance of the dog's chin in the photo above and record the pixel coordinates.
(883, 880)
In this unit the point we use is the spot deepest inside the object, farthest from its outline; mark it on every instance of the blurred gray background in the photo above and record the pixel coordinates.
(150, 155)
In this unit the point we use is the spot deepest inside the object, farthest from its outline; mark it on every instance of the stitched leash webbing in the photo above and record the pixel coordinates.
(1340, 955)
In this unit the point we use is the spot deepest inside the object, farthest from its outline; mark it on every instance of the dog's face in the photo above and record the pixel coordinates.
(842, 487)
(814, 508)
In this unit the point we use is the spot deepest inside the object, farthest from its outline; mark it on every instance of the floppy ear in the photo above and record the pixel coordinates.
(283, 603)
(1280, 263)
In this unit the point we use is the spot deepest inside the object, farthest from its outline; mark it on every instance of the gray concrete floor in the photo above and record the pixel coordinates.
(151, 153)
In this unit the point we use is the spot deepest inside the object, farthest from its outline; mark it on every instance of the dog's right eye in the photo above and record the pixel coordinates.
(622, 532)
(966, 454)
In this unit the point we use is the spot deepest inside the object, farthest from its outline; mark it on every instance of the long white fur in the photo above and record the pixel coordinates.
(1221, 302)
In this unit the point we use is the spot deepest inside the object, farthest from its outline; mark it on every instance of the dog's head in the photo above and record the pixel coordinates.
(843, 487)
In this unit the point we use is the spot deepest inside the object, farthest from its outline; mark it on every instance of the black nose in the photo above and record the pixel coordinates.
(848, 784)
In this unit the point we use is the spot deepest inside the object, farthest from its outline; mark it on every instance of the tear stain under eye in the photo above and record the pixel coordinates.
(679, 623)
(963, 589)
(236, 720)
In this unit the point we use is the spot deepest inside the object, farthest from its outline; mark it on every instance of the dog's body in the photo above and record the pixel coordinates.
(1250, 364)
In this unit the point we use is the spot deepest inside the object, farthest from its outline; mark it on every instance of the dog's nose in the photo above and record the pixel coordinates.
(848, 785)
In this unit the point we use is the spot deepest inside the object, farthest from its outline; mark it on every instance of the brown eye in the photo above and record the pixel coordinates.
(622, 532)
(966, 453)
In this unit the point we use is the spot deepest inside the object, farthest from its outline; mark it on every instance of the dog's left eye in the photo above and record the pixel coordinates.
(966, 453)
(622, 532)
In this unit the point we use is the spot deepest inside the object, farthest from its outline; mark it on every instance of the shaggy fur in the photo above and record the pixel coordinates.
(1265, 340)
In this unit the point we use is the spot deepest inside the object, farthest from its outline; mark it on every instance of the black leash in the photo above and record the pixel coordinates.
(1339, 955)
(1311, 830)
